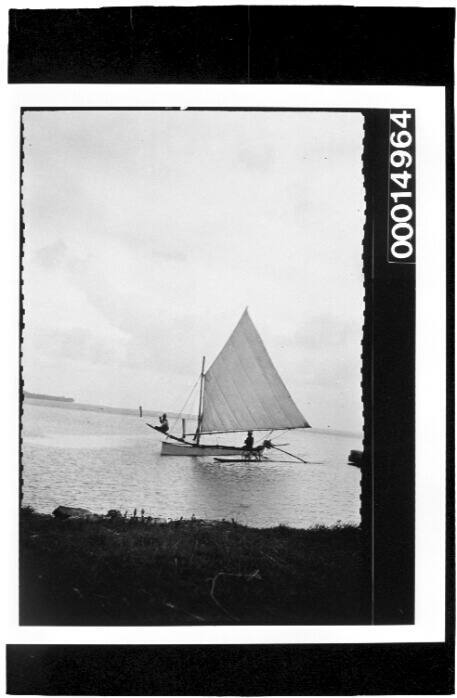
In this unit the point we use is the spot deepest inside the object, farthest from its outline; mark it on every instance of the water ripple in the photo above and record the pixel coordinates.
(104, 461)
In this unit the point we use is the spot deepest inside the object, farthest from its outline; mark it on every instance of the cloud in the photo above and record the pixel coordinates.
(328, 331)
(77, 343)
(52, 255)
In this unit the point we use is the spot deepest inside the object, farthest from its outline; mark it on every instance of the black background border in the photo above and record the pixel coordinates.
(257, 45)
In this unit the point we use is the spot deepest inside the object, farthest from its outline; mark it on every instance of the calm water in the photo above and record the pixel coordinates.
(103, 461)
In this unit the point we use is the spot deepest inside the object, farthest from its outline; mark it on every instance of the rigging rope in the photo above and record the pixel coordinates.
(273, 431)
(185, 404)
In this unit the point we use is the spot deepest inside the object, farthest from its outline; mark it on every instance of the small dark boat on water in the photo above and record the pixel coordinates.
(355, 458)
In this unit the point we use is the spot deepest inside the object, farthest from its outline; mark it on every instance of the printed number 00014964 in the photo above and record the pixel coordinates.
(401, 186)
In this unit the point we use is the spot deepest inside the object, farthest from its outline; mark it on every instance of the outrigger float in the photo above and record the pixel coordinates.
(240, 392)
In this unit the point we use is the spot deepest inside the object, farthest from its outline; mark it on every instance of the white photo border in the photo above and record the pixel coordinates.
(430, 529)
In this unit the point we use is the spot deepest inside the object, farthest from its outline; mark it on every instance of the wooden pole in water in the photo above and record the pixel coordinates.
(200, 403)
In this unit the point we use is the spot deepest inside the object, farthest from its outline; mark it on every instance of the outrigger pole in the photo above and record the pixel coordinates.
(200, 403)
(289, 454)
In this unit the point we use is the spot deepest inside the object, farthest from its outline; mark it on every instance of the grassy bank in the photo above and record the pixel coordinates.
(129, 571)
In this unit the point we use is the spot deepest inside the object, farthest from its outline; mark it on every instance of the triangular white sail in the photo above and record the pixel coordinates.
(243, 390)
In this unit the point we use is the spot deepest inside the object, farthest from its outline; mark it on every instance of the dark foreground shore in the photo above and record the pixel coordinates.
(134, 572)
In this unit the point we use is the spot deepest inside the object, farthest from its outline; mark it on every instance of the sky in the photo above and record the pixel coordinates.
(147, 233)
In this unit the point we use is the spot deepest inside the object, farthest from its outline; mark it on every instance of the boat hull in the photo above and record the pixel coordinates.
(181, 449)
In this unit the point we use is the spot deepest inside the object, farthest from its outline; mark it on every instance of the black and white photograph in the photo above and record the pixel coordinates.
(192, 415)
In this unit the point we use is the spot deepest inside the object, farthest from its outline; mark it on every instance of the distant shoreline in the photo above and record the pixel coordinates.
(67, 405)
(106, 409)
(43, 396)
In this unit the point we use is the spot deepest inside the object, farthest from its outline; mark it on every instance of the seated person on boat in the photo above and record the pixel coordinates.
(249, 449)
(163, 423)
(249, 442)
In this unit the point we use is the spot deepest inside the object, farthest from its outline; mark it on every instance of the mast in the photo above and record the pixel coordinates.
(200, 403)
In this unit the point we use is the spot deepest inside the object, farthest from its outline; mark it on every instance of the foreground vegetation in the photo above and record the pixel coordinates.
(133, 571)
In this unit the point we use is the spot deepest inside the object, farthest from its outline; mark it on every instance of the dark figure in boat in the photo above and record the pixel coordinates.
(257, 451)
(249, 449)
(249, 442)
(163, 423)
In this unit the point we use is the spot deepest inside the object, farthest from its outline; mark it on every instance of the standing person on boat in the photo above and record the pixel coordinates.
(163, 423)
